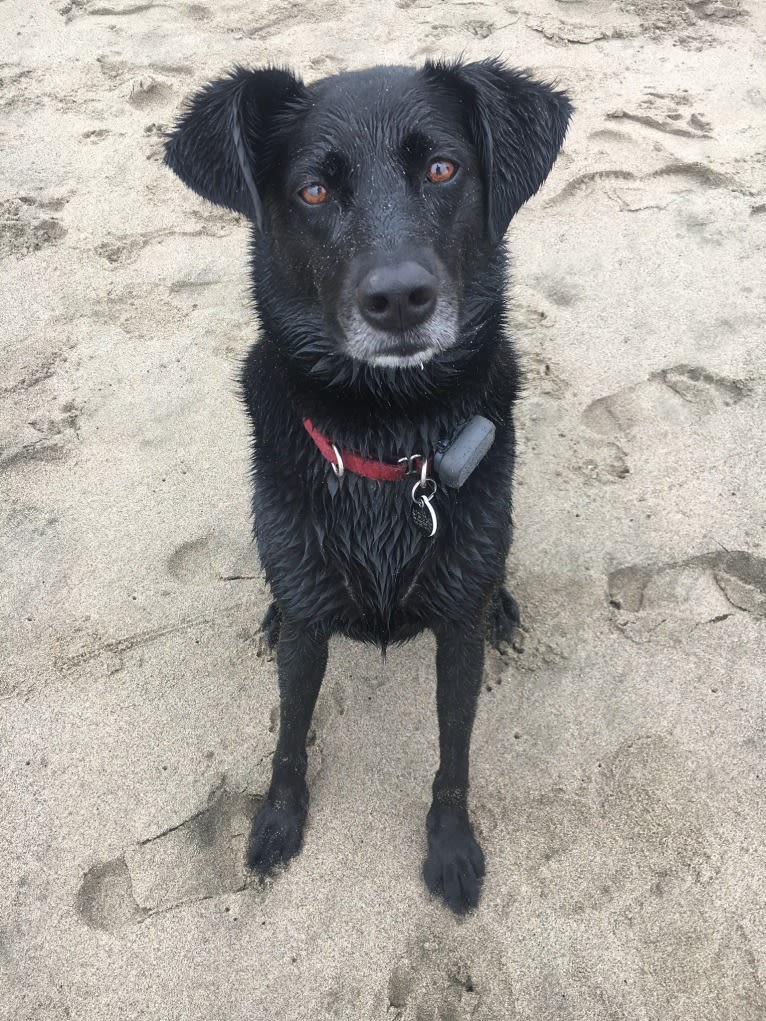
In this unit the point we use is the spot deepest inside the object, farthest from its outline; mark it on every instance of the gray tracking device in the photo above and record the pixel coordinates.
(456, 458)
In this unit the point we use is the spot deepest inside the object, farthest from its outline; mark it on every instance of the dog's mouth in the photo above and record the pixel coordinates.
(401, 353)
(405, 348)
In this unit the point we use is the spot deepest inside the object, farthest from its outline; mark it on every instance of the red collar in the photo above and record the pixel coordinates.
(346, 460)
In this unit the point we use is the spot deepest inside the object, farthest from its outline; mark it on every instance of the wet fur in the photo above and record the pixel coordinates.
(351, 562)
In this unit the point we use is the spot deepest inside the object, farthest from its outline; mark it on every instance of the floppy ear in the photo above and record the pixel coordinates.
(216, 143)
(518, 126)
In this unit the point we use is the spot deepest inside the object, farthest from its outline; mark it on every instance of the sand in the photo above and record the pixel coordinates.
(618, 761)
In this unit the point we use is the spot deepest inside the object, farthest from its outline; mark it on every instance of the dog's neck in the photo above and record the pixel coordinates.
(321, 374)
(452, 382)
(387, 414)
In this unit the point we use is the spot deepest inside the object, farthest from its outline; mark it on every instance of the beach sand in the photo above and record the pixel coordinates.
(618, 760)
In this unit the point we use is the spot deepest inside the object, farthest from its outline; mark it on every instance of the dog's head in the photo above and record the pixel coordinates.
(375, 194)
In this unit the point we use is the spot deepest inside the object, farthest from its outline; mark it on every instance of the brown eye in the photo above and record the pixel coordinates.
(313, 194)
(441, 171)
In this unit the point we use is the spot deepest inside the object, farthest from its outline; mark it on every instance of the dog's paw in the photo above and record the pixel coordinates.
(503, 621)
(271, 625)
(454, 865)
(275, 837)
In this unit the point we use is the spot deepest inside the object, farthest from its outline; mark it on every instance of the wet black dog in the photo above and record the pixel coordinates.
(379, 201)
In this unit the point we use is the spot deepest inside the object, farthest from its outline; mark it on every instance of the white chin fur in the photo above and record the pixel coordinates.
(366, 344)
(402, 361)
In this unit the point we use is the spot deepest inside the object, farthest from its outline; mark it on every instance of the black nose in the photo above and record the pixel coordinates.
(396, 297)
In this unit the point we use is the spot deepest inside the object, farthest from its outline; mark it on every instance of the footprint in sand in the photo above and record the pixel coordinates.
(612, 851)
(196, 12)
(81, 8)
(670, 399)
(200, 858)
(96, 134)
(730, 578)
(124, 250)
(684, 20)
(214, 557)
(608, 464)
(47, 436)
(149, 93)
(672, 113)
(652, 601)
(25, 226)
(160, 130)
(559, 32)
(155, 135)
(542, 377)
(282, 16)
(627, 190)
(191, 561)
(431, 982)
(326, 64)
(28, 376)
(668, 402)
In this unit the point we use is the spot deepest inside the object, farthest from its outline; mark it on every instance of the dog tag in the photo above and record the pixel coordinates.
(423, 513)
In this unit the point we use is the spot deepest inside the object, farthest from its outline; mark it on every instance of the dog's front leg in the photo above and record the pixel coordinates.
(455, 863)
(278, 828)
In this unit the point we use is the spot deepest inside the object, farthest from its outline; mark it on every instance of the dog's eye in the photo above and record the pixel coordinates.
(313, 194)
(441, 171)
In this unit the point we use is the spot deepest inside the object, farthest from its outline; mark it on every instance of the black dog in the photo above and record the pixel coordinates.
(380, 199)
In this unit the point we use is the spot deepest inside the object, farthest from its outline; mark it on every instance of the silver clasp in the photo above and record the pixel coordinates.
(424, 498)
(412, 468)
(338, 468)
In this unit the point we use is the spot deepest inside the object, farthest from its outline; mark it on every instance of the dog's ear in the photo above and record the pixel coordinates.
(222, 136)
(518, 126)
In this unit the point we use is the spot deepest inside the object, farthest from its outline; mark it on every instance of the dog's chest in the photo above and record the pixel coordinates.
(374, 548)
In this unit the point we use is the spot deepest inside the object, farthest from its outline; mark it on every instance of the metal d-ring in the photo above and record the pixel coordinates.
(412, 468)
(425, 499)
(339, 468)
(421, 484)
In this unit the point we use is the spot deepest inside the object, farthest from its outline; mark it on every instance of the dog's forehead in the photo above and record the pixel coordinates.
(378, 106)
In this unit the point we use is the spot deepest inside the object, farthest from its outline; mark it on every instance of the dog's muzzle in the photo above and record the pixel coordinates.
(397, 313)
